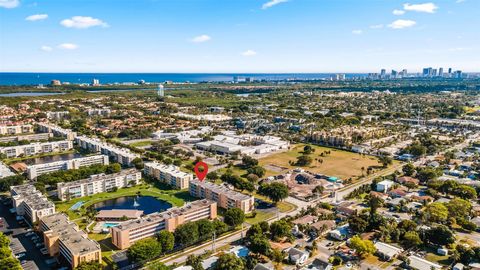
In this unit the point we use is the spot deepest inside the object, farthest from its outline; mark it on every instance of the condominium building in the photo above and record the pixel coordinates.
(28, 137)
(128, 232)
(57, 115)
(222, 195)
(99, 112)
(12, 130)
(120, 155)
(63, 238)
(57, 131)
(33, 171)
(97, 184)
(30, 203)
(168, 174)
(36, 148)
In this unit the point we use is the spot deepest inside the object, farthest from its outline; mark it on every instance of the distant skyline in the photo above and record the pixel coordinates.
(238, 36)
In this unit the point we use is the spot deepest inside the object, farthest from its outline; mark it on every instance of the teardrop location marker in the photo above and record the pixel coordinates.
(201, 173)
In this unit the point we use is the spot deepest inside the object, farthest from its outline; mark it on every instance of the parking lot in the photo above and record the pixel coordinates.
(25, 243)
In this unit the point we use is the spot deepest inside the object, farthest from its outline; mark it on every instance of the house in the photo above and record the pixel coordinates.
(297, 256)
(324, 226)
(260, 266)
(386, 251)
(318, 264)
(407, 179)
(397, 193)
(378, 195)
(209, 262)
(185, 267)
(384, 185)
(458, 266)
(305, 220)
(422, 264)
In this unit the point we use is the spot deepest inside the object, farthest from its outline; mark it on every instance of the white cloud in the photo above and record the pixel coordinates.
(82, 22)
(357, 32)
(272, 3)
(398, 12)
(68, 46)
(46, 48)
(426, 7)
(376, 26)
(36, 17)
(400, 24)
(9, 3)
(249, 53)
(201, 38)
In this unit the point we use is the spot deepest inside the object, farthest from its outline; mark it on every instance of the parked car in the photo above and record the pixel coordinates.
(28, 234)
(44, 251)
(20, 255)
(39, 245)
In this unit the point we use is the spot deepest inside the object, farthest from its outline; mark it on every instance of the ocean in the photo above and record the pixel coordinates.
(14, 78)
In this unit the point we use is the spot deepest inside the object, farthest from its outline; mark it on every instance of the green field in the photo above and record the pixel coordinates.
(141, 144)
(338, 163)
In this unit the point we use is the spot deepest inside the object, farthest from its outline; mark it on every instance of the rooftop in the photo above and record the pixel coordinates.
(221, 190)
(159, 216)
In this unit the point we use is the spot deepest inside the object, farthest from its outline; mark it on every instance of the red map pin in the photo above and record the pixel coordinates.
(201, 173)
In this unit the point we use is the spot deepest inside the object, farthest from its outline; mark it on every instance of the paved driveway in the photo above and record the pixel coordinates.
(33, 258)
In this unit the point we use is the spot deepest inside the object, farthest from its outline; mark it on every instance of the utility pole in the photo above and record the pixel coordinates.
(213, 241)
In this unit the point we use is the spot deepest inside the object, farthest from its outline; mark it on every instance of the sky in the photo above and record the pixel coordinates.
(210, 36)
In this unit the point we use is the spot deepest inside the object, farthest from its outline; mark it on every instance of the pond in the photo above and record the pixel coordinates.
(48, 159)
(147, 204)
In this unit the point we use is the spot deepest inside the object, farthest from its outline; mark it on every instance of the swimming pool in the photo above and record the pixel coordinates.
(109, 225)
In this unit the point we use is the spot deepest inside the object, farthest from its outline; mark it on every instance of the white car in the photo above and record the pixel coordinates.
(28, 234)
(20, 255)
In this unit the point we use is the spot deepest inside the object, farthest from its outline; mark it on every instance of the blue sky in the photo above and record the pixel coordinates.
(238, 35)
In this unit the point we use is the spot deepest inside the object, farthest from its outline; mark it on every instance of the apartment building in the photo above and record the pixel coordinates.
(120, 155)
(29, 137)
(168, 174)
(33, 171)
(57, 131)
(64, 239)
(57, 115)
(222, 195)
(97, 184)
(36, 148)
(30, 203)
(12, 130)
(99, 112)
(128, 232)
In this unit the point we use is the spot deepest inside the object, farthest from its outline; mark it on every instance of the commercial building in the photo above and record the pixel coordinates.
(120, 155)
(97, 184)
(36, 148)
(128, 232)
(168, 174)
(63, 238)
(57, 131)
(12, 130)
(30, 203)
(28, 137)
(33, 171)
(223, 196)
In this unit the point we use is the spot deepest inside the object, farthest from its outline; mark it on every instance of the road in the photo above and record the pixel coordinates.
(34, 259)
(228, 239)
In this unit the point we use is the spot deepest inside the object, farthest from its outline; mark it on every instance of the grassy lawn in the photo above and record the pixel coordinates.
(339, 163)
(141, 144)
(259, 217)
(175, 197)
(283, 206)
